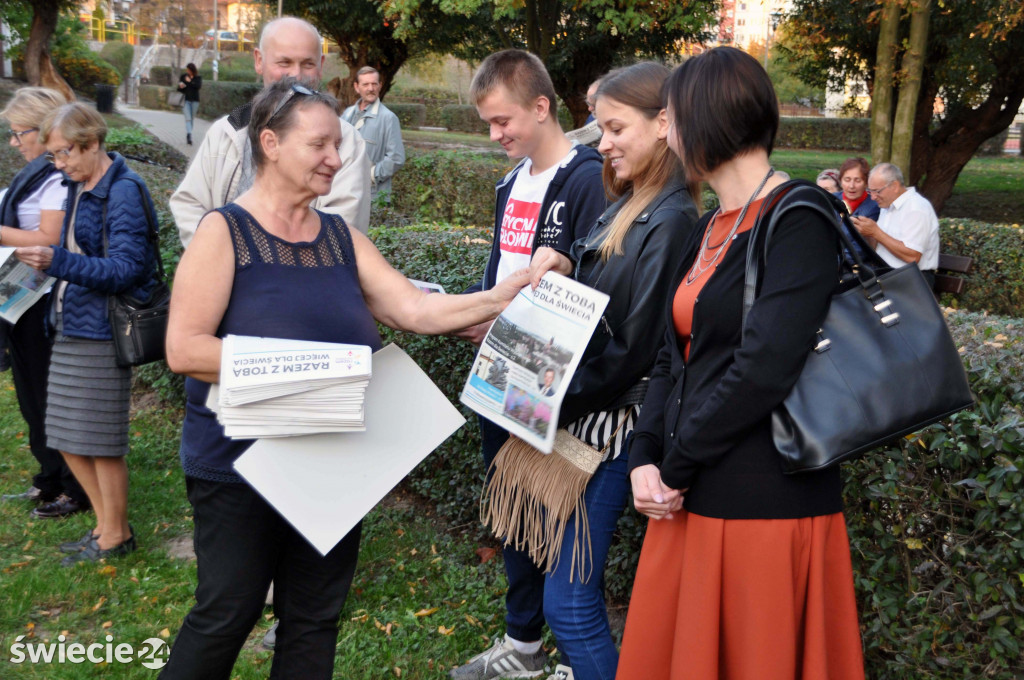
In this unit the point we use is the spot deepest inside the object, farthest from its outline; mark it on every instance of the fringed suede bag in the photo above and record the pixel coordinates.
(531, 496)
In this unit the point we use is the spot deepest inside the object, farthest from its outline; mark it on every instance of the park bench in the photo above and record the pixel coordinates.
(948, 282)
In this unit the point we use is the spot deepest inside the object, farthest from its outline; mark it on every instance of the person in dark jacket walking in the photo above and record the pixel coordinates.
(31, 213)
(631, 255)
(745, 571)
(105, 250)
(190, 82)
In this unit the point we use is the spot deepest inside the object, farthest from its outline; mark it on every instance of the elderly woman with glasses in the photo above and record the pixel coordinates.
(31, 213)
(104, 250)
(263, 266)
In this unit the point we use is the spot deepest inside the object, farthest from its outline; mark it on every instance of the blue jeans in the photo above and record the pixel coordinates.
(576, 611)
(189, 109)
(524, 600)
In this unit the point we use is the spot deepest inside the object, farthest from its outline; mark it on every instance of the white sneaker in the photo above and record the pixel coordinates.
(561, 673)
(501, 661)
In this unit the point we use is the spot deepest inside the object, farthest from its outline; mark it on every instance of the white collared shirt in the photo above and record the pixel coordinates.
(912, 220)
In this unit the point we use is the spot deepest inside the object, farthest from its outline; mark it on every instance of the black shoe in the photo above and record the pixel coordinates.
(92, 552)
(33, 494)
(188, 138)
(79, 545)
(62, 506)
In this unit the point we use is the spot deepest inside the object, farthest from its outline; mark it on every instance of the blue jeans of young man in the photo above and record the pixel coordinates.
(576, 611)
(189, 109)
(524, 600)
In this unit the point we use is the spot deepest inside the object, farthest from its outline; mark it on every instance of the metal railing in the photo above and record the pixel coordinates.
(131, 94)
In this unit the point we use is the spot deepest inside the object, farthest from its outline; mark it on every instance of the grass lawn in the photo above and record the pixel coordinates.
(421, 603)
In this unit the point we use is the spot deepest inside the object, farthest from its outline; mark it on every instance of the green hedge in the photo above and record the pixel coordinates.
(455, 258)
(218, 99)
(119, 55)
(935, 520)
(848, 134)
(154, 97)
(163, 75)
(450, 186)
(838, 134)
(409, 115)
(996, 281)
(462, 118)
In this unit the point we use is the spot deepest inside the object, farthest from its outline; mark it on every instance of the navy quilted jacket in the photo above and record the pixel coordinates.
(130, 265)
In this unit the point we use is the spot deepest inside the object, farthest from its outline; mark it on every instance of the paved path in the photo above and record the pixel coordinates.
(169, 126)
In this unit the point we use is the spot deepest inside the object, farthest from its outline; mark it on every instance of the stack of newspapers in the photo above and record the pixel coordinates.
(282, 388)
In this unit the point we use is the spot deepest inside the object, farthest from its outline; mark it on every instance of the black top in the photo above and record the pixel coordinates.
(626, 341)
(191, 88)
(707, 422)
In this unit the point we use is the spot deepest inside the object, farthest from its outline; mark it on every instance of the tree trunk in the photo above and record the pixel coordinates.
(910, 85)
(577, 105)
(44, 23)
(956, 141)
(881, 96)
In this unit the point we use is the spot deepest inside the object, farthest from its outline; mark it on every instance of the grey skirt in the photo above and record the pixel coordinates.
(88, 398)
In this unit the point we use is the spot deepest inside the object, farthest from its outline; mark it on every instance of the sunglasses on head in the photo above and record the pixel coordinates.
(297, 88)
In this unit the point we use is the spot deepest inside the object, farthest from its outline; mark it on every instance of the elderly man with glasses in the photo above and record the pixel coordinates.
(907, 229)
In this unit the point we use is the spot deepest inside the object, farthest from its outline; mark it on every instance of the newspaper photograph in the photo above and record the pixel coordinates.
(20, 286)
(524, 365)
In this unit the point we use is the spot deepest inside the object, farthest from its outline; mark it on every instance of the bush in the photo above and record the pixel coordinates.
(120, 55)
(162, 75)
(154, 97)
(85, 70)
(220, 98)
(455, 258)
(996, 282)
(837, 134)
(935, 520)
(462, 118)
(449, 186)
(409, 115)
(228, 75)
(937, 530)
(135, 143)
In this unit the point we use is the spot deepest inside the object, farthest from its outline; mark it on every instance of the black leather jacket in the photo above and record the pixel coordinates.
(626, 341)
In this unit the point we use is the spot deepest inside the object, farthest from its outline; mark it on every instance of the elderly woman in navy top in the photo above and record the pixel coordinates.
(104, 251)
(270, 265)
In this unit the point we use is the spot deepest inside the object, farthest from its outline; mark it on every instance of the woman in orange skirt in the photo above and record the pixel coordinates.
(745, 572)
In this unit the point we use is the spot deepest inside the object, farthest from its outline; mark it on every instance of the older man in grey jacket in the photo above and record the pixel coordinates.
(379, 126)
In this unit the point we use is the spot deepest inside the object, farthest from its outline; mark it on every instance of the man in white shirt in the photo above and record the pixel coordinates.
(908, 229)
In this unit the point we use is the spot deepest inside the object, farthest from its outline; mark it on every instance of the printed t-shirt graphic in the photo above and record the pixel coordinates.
(520, 218)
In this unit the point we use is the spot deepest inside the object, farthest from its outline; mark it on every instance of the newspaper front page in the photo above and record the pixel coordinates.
(20, 286)
(524, 365)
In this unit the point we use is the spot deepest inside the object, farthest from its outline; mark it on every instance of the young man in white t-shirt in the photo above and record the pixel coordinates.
(552, 197)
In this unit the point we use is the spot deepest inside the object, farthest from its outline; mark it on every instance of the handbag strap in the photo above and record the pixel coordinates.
(796, 194)
(152, 233)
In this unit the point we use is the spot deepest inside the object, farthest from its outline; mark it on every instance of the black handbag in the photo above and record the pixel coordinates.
(884, 364)
(139, 327)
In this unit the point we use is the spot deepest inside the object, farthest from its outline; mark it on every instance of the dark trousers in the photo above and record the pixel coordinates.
(30, 368)
(241, 545)
(524, 601)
